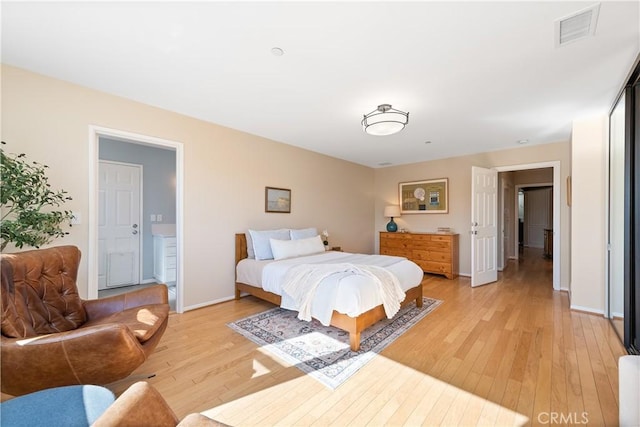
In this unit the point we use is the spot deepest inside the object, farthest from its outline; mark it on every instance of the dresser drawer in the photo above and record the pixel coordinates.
(170, 274)
(431, 245)
(434, 267)
(432, 256)
(170, 262)
(433, 252)
(407, 253)
(396, 244)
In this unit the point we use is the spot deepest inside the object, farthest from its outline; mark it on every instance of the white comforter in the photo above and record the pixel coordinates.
(345, 292)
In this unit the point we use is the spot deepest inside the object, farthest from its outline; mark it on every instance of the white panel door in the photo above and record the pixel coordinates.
(484, 229)
(119, 220)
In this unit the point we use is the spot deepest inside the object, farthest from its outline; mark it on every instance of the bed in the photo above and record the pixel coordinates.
(249, 280)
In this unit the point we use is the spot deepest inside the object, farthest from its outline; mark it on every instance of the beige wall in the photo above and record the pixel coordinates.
(225, 172)
(588, 240)
(458, 171)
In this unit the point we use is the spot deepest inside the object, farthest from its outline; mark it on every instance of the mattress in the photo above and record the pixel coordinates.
(345, 293)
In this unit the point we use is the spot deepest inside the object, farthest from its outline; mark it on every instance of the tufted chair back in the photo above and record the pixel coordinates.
(39, 292)
(52, 338)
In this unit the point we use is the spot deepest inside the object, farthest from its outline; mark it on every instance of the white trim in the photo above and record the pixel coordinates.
(208, 303)
(94, 134)
(586, 309)
(557, 229)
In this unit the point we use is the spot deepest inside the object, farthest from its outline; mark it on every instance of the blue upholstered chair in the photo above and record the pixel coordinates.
(70, 406)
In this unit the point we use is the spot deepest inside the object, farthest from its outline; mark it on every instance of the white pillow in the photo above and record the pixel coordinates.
(250, 253)
(303, 233)
(292, 248)
(261, 244)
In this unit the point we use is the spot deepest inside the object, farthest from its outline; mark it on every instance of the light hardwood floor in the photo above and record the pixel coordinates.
(509, 353)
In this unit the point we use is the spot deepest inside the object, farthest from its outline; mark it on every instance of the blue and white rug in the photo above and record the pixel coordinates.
(323, 351)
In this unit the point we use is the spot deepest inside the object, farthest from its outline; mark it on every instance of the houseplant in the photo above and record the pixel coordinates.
(26, 202)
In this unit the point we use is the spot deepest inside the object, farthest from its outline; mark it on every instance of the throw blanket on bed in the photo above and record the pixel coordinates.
(301, 282)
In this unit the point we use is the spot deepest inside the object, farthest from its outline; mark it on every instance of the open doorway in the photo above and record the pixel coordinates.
(135, 237)
(137, 217)
(545, 227)
(535, 218)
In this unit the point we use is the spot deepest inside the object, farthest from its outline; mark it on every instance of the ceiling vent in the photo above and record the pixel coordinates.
(577, 26)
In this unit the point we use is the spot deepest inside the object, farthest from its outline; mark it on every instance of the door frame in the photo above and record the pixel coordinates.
(95, 132)
(557, 228)
(140, 213)
(502, 260)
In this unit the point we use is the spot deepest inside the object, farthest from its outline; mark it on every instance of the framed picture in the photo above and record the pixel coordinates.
(277, 200)
(430, 196)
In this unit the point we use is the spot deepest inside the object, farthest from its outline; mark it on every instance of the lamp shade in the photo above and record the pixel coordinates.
(392, 211)
(384, 120)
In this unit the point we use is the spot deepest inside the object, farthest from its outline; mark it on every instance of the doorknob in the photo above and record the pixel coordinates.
(135, 225)
(134, 232)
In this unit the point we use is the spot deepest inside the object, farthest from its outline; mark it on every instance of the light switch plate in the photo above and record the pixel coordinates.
(76, 218)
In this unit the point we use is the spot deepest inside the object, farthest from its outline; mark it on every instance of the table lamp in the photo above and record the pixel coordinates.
(391, 212)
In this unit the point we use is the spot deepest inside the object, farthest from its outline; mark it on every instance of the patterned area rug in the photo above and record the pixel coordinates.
(323, 351)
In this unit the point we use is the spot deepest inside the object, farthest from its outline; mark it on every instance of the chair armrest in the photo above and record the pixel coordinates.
(98, 308)
(199, 420)
(63, 358)
(139, 405)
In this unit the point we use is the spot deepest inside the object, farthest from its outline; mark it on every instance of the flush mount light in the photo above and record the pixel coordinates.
(276, 51)
(384, 120)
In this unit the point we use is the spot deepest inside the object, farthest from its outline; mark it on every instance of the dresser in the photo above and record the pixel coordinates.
(164, 258)
(548, 243)
(434, 252)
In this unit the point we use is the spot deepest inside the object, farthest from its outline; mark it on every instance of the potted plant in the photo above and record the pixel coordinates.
(26, 199)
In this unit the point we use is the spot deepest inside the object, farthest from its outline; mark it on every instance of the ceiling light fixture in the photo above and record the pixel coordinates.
(384, 120)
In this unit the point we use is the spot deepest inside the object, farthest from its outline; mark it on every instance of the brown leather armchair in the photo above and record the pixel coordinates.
(143, 405)
(51, 337)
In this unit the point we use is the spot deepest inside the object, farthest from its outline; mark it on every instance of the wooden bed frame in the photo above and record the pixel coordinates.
(353, 325)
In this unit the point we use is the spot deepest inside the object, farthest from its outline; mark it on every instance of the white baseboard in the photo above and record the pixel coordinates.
(208, 303)
(586, 309)
(147, 281)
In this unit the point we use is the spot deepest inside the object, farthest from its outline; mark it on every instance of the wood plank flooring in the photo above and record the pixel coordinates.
(509, 353)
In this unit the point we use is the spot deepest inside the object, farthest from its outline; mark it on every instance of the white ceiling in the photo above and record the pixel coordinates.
(475, 76)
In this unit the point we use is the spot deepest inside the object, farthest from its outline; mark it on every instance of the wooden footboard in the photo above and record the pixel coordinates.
(353, 325)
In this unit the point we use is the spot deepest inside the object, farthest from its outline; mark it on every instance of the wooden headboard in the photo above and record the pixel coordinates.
(241, 247)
